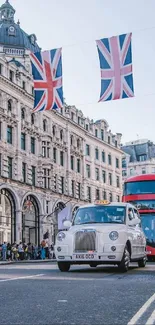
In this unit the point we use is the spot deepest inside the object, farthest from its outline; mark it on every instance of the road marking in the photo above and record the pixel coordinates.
(62, 300)
(142, 310)
(22, 277)
(151, 319)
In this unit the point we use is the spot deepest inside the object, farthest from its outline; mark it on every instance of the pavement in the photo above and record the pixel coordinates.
(26, 261)
(38, 293)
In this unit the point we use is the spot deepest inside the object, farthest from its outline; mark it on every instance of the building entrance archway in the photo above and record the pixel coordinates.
(30, 221)
(7, 217)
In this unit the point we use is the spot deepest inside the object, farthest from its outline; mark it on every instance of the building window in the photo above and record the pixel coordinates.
(109, 159)
(97, 174)
(10, 167)
(73, 188)
(124, 173)
(72, 162)
(47, 207)
(32, 90)
(55, 182)
(61, 110)
(23, 113)
(54, 130)
(108, 139)
(104, 176)
(142, 158)
(33, 175)
(118, 198)
(33, 145)
(61, 158)
(117, 181)
(0, 130)
(24, 85)
(46, 178)
(97, 194)
(11, 74)
(110, 197)
(96, 154)
(78, 120)
(87, 127)
(61, 135)
(72, 116)
(0, 164)
(117, 163)
(153, 170)
(45, 149)
(103, 156)
(143, 170)
(131, 171)
(87, 150)
(71, 140)
(88, 174)
(78, 165)
(9, 134)
(44, 125)
(55, 155)
(1, 69)
(104, 195)
(116, 144)
(78, 143)
(62, 185)
(110, 179)
(24, 172)
(102, 134)
(32, 118)
(23, 141)
(9, 105)
(123, 162)
(96, 133)
(79, 190)
(89, 194)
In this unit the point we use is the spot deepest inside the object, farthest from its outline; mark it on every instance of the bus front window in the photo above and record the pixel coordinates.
(142, 187)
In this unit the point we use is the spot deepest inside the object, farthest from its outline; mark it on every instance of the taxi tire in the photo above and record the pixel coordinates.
(64, 266)
(142, 263)
(124, 265)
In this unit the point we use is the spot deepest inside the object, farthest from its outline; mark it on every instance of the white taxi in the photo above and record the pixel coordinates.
(103, 233)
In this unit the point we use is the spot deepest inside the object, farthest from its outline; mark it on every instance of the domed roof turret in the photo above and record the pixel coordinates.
(11, 35)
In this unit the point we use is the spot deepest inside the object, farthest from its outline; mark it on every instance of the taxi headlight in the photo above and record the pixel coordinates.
(61, 236)
(113, 235)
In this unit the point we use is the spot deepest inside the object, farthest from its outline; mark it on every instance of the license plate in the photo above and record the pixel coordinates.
(84, 256)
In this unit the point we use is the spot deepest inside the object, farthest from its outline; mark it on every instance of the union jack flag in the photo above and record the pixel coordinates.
(115, 57)
(47, 76)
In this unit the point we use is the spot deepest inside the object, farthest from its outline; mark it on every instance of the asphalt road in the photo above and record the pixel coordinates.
(40, 294)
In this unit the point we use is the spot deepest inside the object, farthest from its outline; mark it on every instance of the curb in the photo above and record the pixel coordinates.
(28, 262)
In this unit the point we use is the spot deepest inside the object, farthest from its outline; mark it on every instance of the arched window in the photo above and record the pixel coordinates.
(54, 130)
(23, 113)
(61, 134)
(44, 125)
(110, 197)
(32, 118)
(9, 105)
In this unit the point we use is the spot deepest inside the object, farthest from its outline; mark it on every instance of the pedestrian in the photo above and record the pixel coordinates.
(4, 251)
(21, 251)
(9, 253)
(42, 253)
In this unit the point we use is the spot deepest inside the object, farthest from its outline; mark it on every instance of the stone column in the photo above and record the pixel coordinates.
(18, 226)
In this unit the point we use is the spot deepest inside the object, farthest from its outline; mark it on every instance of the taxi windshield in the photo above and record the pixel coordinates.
(100, 214)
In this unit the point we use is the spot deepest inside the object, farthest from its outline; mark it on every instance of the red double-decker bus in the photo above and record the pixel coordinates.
(140, 190)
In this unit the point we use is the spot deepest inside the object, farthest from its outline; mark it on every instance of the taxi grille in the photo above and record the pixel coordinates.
(85, 241)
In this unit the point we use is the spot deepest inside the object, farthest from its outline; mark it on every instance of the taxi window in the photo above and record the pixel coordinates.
(100, 214)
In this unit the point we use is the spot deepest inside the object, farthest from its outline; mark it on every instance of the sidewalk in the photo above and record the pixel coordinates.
(27, 262)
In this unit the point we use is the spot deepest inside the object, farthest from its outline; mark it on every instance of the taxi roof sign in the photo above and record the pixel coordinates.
(103, 202)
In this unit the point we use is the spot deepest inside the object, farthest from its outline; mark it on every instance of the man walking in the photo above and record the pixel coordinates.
(4, 250)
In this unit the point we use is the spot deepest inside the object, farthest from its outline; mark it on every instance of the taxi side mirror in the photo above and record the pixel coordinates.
(67, 224)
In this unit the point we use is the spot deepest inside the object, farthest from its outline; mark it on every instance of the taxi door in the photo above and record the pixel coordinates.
(140, 237)
(132, 233)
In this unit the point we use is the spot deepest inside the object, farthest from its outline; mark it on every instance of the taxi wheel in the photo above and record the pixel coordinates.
(124, 265)
(64, 266)
(142, 263)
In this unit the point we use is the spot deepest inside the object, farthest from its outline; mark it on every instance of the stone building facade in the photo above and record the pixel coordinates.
(47, 159)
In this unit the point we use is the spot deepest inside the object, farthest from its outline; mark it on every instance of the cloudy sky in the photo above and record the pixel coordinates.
(75, 25)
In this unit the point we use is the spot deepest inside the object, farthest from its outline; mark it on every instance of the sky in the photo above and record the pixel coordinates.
(74, 25)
